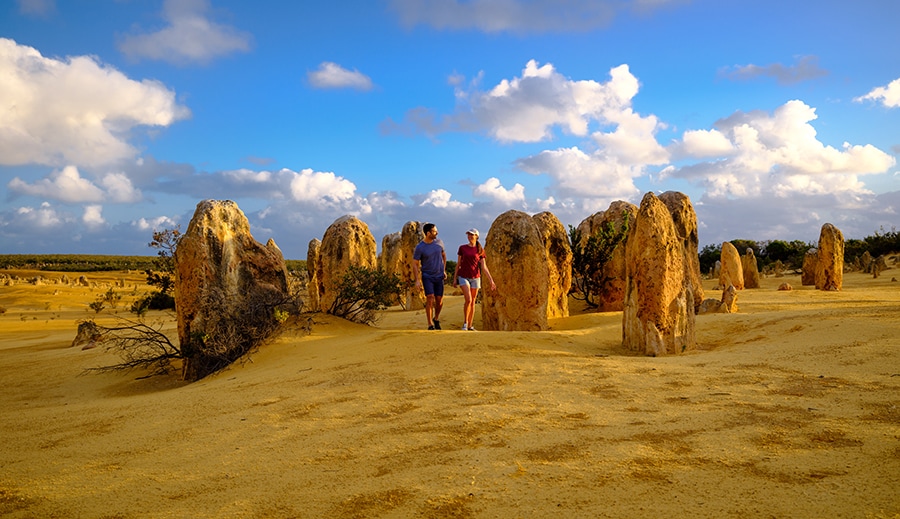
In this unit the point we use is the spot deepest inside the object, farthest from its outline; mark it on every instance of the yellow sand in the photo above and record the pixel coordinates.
(790, 409)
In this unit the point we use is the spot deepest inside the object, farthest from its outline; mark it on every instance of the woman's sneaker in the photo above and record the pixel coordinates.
(465, 327)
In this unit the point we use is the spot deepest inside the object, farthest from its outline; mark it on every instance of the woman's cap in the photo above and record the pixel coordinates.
(472, 231)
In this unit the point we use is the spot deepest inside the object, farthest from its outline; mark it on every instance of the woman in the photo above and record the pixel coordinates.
(470, 263)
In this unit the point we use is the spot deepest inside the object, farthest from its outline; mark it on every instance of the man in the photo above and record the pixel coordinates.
(430, 262)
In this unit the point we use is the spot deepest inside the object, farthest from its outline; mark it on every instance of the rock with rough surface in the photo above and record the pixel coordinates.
(313, 287)
(410, 236)
(610, 294)
(830, 260)
(786, 287)
(732, 273)
(520, 267)
(658, 317)
(559, 265)
(390, 258)
(346, 242)
(225, 287)
(750, 268)
(808, 274)
(685, 219)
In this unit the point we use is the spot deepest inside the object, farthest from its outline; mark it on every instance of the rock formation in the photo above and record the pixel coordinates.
(685, 219)
(88, 335)
(391, 256)
(559, 255)
(346, 242)
(410, 236)
(732, 273)
(520, 266)
(785, 287)
(727, 305)
(226, 287)
(610, 282)
(751, 269)
(879, 265)
(830, 259)
(312, 286)
(658, 317)
(808, 274)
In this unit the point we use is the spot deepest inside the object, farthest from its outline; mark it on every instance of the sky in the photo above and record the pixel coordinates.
(118, 116)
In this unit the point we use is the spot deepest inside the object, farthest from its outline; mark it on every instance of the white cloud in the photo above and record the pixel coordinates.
(44, 217)
(516, 15)
(888, 95)
(154, 224)
(67, 185)
(705, 143)
(576, 174)
(189, 37)
(321, 187)
(528, 108)
(93, 216)
(76, 111)
(777, 154)
(493, 190)
(442, 199)
(332, 75)
(119, 189)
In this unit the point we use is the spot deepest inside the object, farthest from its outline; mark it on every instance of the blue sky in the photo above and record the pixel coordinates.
(118, 116)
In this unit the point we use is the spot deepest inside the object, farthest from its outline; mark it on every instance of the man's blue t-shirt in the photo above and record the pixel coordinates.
(430, 254)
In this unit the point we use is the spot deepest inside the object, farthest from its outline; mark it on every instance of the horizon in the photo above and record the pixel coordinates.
(121, 116)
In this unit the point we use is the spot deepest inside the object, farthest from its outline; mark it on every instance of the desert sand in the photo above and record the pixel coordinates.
(790, 408)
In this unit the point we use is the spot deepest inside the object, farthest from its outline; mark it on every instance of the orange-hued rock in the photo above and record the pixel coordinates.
(312, 287)
(750, 267)
(685, 219)
(830, 259)
(732, 273)
(559, 265)
(610, 293)
(346, 242)
(391, 255)
(225, 281)
(410, 236)
(658, 317)
(808, 275)
(519, 264)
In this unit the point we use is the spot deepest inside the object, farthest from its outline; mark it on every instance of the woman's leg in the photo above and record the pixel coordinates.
(470, 305)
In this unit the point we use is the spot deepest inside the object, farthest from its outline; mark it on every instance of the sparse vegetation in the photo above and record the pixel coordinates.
(363, 291)
(140, 345)
(589, 257)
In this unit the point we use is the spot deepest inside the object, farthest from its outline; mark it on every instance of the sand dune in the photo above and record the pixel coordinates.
(790, 409)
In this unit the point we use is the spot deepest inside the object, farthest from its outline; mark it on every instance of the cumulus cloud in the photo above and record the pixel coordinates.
(804, 69)
(190, 36)
(67, 185)
(777, 154)
(93, 216)
(74, 111)
(331, 75)
(43, 217)
(888, 95)
(440, 199)
(318, 187)
(520, 16)
(529, 107)
(156, 223)
(492, 189)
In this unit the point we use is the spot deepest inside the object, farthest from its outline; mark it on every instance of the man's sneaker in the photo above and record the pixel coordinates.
(472, 328)
(437, 324)
(465, 327)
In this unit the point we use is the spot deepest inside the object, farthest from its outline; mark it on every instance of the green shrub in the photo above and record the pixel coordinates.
(363, 291)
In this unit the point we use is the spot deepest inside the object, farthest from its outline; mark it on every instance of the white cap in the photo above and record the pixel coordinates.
(473, 231)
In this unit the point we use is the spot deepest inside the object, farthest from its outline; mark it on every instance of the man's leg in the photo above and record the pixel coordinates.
(429, 309)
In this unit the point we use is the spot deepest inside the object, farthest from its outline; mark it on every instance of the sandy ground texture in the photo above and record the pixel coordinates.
(791, 408)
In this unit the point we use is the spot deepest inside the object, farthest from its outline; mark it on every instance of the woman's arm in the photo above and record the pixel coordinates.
(486, 272)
